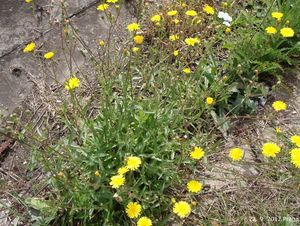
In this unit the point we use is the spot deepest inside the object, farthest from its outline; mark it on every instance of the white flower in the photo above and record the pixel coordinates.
(226, 23)
(225, 16)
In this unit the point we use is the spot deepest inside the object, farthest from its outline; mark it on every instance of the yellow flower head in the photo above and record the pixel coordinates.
(176, 21)
(29, 47)
(97, 173)
(296, 140)
(135, 49)
(156, 18)
(102, 7)
(194, 186)
(101, 43)
(112, 1)
(173, 37)
(209, 100)
(182, 209)
(209, 10)
(133, 27)
(271, 30)
(138, 39)
(176, 52)
(133, 163)
(133, 209)
(270, 149)
(192, 41)
(144, 221)
(61, 174)
(224, 4)
(72, 83)
(197, 153)
(236, 154)
(173, 200)
(295, 157)
(191, 13)
(172, 13)
(183, 5)
(279, 105)
(117, 181)
(287, 32)
(28, 1)
(123, 170)
(278, 130)
(277, 15)
(48, 55)
(186, 70)
(227, 30)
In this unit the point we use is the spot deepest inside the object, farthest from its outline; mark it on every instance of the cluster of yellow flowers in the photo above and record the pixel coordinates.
(132, 164)
(30, 47)
(133, 210)
(271, 149)
(183, 208)
(104, 6)
(286, 32)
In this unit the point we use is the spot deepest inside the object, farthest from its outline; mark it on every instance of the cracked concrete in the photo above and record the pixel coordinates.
(22, 22)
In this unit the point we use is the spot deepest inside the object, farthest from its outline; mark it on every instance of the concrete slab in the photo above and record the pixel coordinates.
(21, 23)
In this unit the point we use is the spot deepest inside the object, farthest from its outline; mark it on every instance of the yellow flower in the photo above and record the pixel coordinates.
(224, 4)
(72, 83)
(144, 221)
(295, 157)
(194, 186)
(102, 7)
(197, 153)
(133, 27)
(236, 154)
(138, 39)
(175, 21)
(133, 209)
(29, 47)
(279, 105)
(173, 200)
(209, 10)
(270, 149)
(277, 15)
(296, 140)
(156, 18)
(173, 38)
(123, 170)
(172, 13)
(287, 32)
(97, 173)
(176, 52)
(117, 181)
(48, 55)
(227, 30)
(133, 163)
(209, 100)
(135, 49)
(271, 30)
(61, 174)
(191, 13)
(182, 209)
(28, 1)
(186, 70)
(183, 5)
(112, 1)
(278, 130)
(101, 43)
(192, 41)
